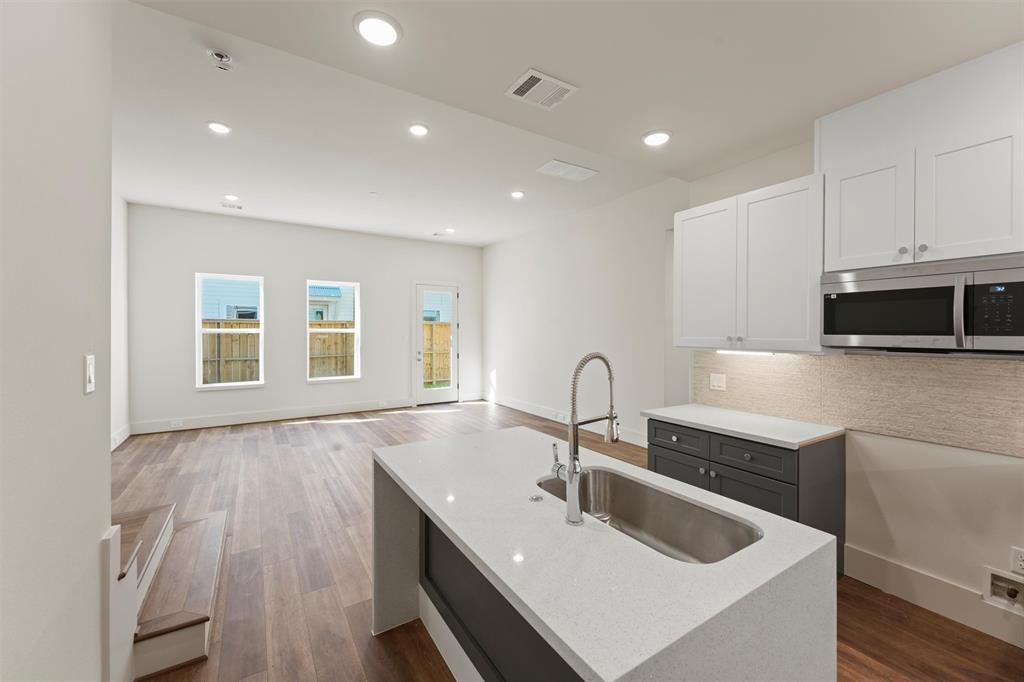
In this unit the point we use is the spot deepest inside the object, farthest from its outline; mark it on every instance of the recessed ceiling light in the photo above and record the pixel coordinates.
(418, 129)
(377, 28)
(517, 194)
(449, 230)
(230, 197)
(656, 138)
(218, 127)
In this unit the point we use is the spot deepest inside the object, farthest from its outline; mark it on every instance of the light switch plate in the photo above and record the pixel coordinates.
(90, 373)
(717, 382)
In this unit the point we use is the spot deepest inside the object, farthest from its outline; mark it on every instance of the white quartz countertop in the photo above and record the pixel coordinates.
(606, 603)
(785, 433)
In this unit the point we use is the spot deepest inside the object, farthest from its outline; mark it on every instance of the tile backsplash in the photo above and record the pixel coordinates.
(969, 403)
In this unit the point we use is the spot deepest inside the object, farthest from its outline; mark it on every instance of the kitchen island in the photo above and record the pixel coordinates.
(526, 593)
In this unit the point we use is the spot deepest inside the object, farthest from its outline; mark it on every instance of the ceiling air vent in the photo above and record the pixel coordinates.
(540, 89)
(566, 171)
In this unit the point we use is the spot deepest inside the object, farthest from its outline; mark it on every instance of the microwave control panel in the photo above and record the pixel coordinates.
(998, 309)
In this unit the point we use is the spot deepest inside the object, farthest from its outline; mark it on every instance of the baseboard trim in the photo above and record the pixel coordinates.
(630, 435)
(233, 418)
(948, 599)
(119, 436)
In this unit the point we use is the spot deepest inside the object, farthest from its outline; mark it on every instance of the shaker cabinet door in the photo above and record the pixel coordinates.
(757, 491)
(704, 288)
(869, 212)
(969, 187)
(779, 266)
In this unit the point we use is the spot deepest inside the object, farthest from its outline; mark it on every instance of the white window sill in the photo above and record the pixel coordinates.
(333, 380)
(230, 386)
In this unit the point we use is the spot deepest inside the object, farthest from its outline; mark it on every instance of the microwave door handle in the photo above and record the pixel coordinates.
(958, 310)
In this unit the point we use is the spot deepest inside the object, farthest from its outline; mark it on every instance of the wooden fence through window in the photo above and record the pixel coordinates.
(437, 354)
(231, 357)
(331, 354)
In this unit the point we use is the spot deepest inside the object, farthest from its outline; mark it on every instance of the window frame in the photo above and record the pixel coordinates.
(200, 332)
(356, 331)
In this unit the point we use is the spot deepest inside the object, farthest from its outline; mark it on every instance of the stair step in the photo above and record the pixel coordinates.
(174, 622)
(141, 532)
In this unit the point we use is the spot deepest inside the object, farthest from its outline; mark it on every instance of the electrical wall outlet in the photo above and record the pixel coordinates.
(1005, 590)
(177, 423)
(717, 382)
(1017, 560)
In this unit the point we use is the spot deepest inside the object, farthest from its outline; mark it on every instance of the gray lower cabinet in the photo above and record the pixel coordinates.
(685, 468)
(807, 485)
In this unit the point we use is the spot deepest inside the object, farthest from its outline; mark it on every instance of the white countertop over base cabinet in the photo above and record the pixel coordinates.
(611, 607)
(747, 270)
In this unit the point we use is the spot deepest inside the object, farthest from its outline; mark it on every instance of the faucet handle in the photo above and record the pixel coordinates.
(554, 452)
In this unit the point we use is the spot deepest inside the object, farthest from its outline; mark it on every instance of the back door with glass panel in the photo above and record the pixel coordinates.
(436, 369)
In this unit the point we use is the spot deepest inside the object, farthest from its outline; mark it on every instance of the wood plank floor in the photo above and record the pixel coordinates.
(294, 598)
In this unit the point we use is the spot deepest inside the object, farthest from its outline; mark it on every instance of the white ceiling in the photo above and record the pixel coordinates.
(734, 80)
(310, 142)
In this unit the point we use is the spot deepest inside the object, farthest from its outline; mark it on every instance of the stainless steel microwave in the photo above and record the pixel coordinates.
(966, 305)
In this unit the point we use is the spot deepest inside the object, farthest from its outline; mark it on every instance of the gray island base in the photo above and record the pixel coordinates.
(459, 543)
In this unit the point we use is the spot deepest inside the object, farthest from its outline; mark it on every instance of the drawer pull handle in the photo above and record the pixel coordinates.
(675, 439)
(746, 456)
(713, 474)
(702, 471)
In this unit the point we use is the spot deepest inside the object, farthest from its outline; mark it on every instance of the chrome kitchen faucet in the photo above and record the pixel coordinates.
(572, 470)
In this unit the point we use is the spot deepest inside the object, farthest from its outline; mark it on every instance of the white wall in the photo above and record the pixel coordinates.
(786, 164)
(119, 418)
(593, 281)
(55, 298)
(166, 247)
(922, 519)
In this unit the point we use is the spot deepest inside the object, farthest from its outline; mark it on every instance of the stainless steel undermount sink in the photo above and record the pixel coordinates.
(671, 525)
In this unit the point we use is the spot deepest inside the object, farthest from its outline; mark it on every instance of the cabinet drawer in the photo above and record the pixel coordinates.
(757, 491)
(678, 438)
(685, 468)
(766, 460)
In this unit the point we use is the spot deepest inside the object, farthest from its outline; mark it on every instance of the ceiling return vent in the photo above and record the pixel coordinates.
(566, 171)
(540, 89)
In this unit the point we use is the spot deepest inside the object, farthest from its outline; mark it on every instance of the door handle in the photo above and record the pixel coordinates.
(958, 310)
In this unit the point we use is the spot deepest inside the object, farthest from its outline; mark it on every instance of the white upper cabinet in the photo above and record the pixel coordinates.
(747, 270)
(931, 171)
(704, 271)
(869, 211)
(779, 266)
(966, 203)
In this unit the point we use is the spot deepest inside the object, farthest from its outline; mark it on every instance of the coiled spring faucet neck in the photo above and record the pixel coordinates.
(573, 470)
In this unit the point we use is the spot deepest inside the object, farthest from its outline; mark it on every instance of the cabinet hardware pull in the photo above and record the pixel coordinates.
(702, 471)
(713, 474)
(922, 247)
(746, 456)
(903, 250)
(728, 338)
(739, 339)
(675, 439)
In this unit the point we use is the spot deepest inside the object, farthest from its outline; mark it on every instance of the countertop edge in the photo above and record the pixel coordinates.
(829, 431)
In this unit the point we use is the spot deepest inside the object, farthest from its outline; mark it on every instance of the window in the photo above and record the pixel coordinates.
(229, 331)
(332, 347)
